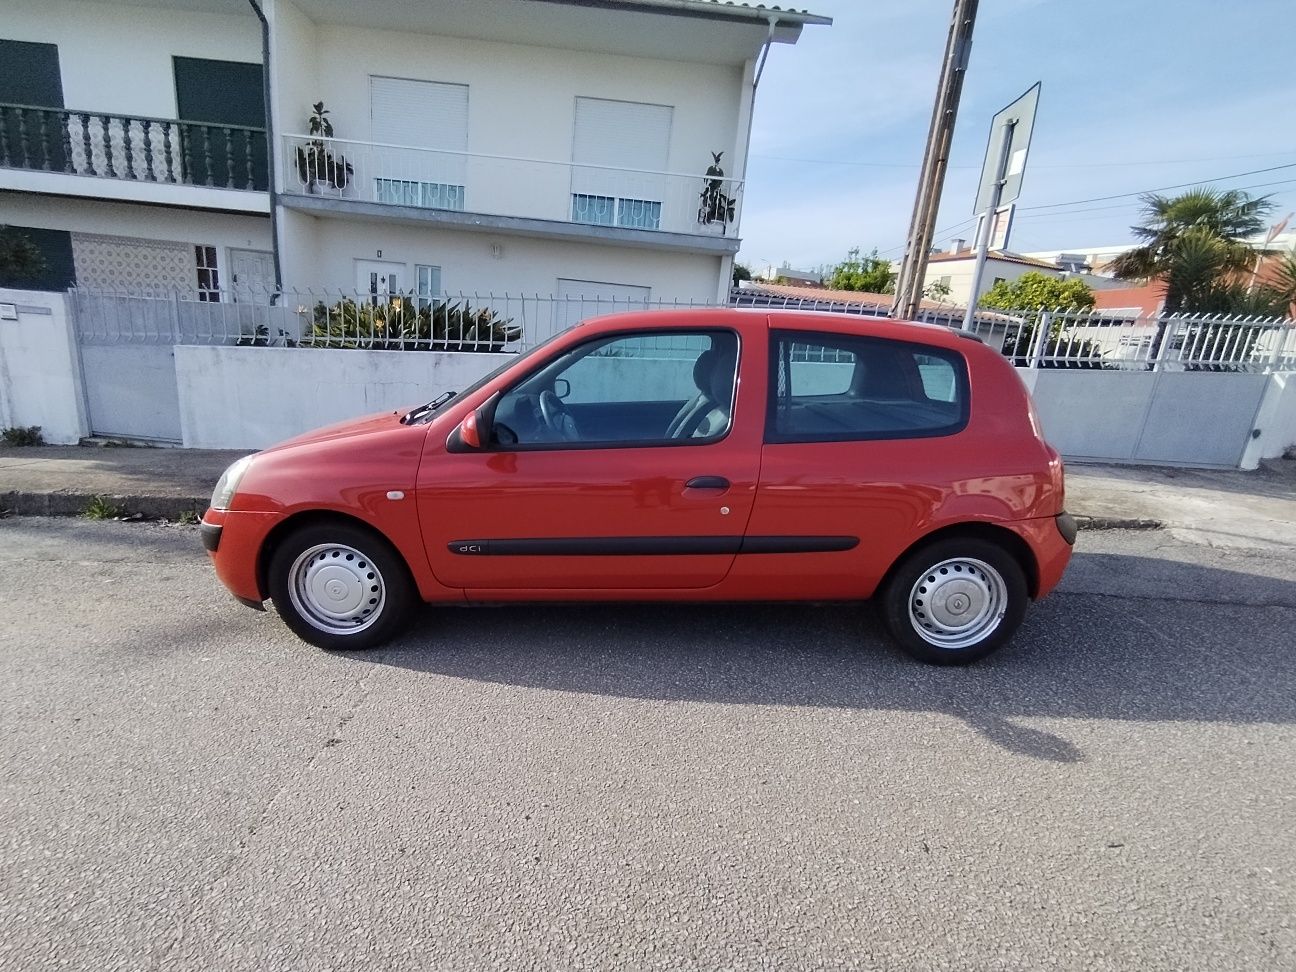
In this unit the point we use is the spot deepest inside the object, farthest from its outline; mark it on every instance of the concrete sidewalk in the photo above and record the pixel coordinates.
(1214, 507)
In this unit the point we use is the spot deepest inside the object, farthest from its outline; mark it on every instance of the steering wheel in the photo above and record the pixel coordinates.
(557, 417)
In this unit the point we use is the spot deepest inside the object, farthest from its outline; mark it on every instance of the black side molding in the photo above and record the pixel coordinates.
(648, 546)
(210, 534)
(1066, 525)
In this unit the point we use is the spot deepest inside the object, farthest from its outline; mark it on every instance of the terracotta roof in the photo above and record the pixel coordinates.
(1002, 255)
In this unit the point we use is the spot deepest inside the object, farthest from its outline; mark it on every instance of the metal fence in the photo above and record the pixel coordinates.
(477, 322)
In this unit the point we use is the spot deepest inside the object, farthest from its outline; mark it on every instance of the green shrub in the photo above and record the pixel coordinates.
(404, 323)
(20, 436)
(101, 509)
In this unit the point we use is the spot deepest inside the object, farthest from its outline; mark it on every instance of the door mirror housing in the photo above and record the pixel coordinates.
(561, 388)
(473, 433)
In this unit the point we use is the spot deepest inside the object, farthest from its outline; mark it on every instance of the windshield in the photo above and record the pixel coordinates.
(525, 355)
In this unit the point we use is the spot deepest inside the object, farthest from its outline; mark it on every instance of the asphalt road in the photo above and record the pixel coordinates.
(185, 786)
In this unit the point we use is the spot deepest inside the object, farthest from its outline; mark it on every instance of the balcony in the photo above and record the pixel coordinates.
(509, 194)
(133, 158)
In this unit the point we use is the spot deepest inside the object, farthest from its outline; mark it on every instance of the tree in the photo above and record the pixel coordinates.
(1035, 291)
(1032, 294)
(741, 272)
(1196, 243)
(937, 290)
(20, 258)
(871, 274)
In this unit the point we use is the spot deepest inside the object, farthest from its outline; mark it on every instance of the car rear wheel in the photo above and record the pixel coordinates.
(340, 587)
(955, 601)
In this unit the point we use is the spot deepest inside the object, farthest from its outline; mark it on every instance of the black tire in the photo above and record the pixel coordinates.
(970, 582)
(340, 586)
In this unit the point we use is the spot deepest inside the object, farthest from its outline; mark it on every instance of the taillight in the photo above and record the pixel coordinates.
(1057, 475)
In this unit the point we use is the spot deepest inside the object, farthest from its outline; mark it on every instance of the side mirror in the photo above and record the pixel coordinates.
(561, 388)
(472, 434)
(469, 433)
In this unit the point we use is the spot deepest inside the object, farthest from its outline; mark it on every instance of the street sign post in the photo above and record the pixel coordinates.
(1001, 178)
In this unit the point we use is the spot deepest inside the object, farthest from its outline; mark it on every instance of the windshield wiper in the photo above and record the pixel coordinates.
(423, 411)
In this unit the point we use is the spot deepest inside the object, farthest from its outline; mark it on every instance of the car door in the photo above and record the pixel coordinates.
(859, 445)
(583, 487)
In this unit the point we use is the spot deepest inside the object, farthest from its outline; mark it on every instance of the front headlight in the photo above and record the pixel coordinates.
(228, 484)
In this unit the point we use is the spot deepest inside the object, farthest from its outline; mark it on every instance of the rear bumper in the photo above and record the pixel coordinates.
(233, 541)
(1051, 548)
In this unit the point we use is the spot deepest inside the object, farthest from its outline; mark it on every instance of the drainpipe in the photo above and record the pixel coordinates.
(751, 115)
(270, 151)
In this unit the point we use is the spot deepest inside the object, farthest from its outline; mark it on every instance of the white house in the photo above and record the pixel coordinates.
(951, 271)
(537, 146)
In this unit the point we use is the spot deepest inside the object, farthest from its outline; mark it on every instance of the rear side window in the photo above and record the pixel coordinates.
(840, 387)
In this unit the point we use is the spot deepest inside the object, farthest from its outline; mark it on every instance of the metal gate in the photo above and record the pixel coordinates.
(127, 348)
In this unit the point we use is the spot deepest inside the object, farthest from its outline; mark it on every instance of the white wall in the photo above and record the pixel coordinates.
(521, 99)
(106, 62)
(39, 378)
(323, 251)
(1179, 418)
(293, 71)
(249, 398)
(1276, 421)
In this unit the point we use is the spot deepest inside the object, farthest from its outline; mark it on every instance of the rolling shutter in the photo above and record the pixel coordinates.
(622, 134)
(426, 114)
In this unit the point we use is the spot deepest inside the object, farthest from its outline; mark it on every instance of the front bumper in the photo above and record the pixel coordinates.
(233, 541)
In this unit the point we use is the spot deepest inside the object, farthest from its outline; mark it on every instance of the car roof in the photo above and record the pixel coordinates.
(747, 320)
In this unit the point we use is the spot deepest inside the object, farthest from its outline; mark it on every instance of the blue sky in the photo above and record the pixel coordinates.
(1137, 94)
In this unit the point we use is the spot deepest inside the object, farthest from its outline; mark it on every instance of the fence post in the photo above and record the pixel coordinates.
(1167, 342)
(1281, 333)
(1042, 329)
(175, 316)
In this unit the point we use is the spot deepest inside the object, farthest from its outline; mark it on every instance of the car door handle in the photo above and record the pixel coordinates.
(707, 482)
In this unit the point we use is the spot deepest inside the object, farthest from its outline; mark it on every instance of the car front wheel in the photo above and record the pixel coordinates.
(340, 587)
(955, 601)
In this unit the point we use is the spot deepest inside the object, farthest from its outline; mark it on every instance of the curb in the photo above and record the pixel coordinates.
(73, 504)
(1116, 523)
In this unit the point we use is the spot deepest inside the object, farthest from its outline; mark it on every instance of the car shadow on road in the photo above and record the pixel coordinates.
(1157, 641)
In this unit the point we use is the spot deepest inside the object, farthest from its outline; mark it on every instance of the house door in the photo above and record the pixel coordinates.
(252, 273)
(377, 278)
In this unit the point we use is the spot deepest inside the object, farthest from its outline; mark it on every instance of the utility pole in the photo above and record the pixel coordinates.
(931, 180)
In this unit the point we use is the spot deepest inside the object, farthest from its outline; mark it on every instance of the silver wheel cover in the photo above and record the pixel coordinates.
(336, 589)
(958, 603)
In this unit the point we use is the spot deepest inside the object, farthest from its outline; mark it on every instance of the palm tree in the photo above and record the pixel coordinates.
(1194, 242)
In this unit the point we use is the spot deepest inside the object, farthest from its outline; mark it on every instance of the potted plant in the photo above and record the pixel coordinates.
(715, 206)
(317, 167)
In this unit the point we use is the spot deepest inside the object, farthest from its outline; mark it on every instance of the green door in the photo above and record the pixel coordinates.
(209, 96)
(30, 76)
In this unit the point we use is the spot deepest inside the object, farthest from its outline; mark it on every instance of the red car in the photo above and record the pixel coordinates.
(698, 455)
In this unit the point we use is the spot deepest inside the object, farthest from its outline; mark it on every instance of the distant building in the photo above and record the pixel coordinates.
(954, 268)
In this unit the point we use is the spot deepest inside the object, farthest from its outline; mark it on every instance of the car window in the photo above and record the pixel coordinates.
(833, 387)
(667, 387)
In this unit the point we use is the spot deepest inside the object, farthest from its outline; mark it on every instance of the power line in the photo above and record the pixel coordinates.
(1037, 165)
(1141, 192)
(1127, 205)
